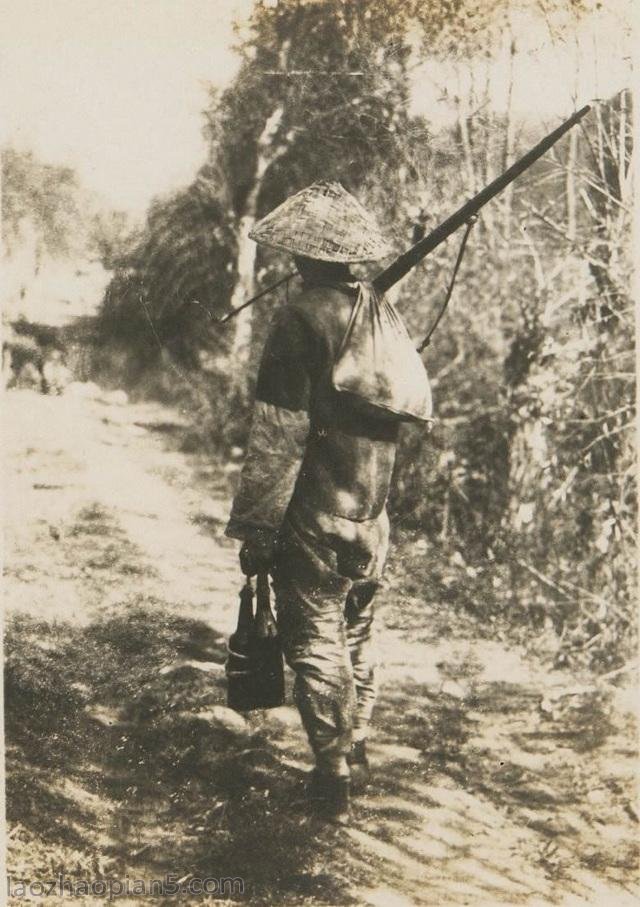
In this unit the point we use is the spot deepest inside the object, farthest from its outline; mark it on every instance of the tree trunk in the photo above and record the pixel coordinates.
(244, 289)
(622, 147)
(247, 249)
(571, 185)
(510, 137)
(487, 173)
(463, 125)
(570, 180)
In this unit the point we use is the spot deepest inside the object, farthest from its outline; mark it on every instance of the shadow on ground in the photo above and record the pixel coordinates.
(496, 758)
(489, 787)
(122, 761)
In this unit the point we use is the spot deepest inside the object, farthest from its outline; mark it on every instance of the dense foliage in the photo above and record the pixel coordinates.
(527, 482)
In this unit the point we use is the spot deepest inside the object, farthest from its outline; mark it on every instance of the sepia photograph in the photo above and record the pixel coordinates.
(319, 453)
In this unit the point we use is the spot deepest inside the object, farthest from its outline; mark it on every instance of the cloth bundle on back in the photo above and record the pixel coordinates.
(378, 364)
(338, 374)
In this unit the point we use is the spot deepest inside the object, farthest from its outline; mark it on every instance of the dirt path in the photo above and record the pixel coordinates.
(496, 781)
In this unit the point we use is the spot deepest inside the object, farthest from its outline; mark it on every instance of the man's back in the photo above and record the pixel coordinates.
(349, 455)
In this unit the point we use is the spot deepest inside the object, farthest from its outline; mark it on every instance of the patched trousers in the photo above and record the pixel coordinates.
(326, 574)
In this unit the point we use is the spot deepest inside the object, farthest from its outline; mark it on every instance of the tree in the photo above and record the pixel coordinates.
(577, 402)
(322, 93)
(172, 275)
(527, 477)
(48, 197)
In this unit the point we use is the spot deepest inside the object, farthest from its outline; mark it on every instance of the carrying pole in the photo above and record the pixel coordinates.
(409, 259)
(274, 286)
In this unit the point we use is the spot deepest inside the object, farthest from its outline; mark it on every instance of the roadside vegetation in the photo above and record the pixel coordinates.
(504, 749)
(527, 482)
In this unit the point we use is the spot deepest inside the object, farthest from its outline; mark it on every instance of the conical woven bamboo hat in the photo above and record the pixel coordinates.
(325, 222)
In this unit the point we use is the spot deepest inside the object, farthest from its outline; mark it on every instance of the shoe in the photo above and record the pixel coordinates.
(359, 765)
(330, 797)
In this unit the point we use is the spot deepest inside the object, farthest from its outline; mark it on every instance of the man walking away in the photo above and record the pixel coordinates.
(310, 507)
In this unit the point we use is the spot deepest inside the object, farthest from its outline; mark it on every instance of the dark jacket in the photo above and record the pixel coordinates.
(308, 443)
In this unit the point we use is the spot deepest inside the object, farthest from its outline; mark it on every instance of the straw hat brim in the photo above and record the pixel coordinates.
(324, 222)
(324, 255)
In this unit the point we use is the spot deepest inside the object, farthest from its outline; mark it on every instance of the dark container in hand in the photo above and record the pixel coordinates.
(254, 666)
